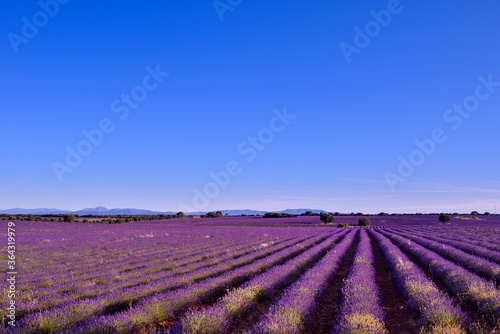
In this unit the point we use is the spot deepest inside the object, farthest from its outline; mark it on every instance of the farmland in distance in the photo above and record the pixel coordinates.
(403, 274)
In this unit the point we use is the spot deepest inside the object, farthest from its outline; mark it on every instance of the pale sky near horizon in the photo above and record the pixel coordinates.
(384, 105)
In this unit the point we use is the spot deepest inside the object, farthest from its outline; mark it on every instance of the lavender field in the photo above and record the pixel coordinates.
(404, 274)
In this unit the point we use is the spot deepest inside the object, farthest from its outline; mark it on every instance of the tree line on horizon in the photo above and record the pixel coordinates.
(120, 219)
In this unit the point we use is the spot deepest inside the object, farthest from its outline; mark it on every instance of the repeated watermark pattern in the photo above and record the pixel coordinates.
(222, 6)
(248, 149)
(95, 137)
(454, 117)
(31, 27)
(373, 28)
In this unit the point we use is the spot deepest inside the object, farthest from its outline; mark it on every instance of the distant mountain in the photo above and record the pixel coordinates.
(229, 212)
(100, 210)
(299, 211)
(34, 211)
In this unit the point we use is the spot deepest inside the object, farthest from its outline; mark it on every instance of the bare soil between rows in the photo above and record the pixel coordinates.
(323, 317)
(398, 319)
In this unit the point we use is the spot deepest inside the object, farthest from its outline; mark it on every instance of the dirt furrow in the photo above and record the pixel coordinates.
(398, 320)
(324, 315)
(479, 323)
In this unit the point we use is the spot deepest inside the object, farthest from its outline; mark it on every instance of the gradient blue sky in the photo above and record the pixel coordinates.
(353, 120)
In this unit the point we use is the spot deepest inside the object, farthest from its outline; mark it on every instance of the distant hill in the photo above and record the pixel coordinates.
(100, 210)
(34, 211)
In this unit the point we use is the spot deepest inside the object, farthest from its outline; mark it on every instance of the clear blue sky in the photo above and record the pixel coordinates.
(353, 120)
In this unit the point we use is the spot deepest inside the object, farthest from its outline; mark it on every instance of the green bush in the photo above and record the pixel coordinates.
(343, 225)
(444, 218)
(69, 219)
(364, 222)
(327, 218)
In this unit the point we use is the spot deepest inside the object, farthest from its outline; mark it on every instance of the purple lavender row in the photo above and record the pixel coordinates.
(360, 307)
(483, 234)
(455, 234)
(469, 239)
(84, 260)
(438, 313)
(28, 294)
(479, 265)
(134, 291)
(128, 271)
(68, 283)
(52, 300)
(103, 266)
(463, 238)
(220, 317)
(290, 314)
(460, 241)
(110, 298)
(135, 249)
(472, 249)
(164, 307)
(110, 281)
(90, 254)
(137, 256)
(73, 313)
(131, 251)
(478, 241)
(468, 286)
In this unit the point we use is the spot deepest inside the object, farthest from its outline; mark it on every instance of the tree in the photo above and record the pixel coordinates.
(180, 214)
(444, 218)
(308, 213)
(474, 213)
(364, 222)
(69, 219)
(327, 218)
